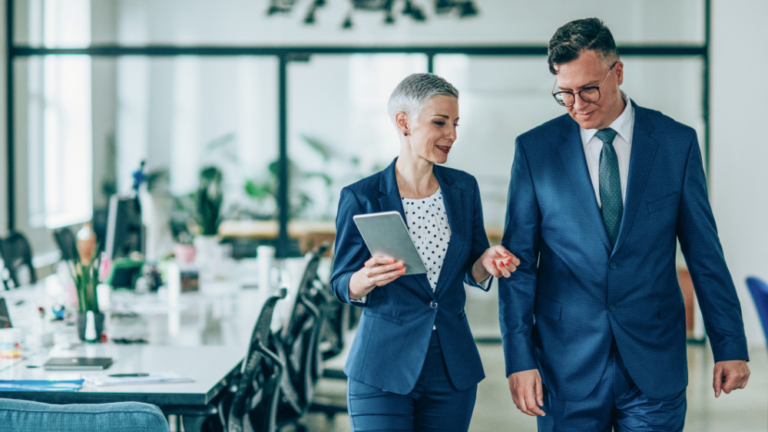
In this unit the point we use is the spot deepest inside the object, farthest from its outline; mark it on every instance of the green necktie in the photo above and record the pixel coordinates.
(610, 185)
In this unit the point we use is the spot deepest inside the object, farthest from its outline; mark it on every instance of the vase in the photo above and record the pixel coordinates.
(207, 254)
(98, 319)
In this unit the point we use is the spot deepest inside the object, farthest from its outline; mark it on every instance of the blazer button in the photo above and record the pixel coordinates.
(614, 266)
(612, 308)
(433, 304)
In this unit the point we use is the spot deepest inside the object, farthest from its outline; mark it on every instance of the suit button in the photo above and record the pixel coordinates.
(612, 308)
(614, 266)
(433, 304)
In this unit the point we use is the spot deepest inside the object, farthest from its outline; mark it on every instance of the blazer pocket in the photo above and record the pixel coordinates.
(667, 201)
(385, 317)
(549, 309)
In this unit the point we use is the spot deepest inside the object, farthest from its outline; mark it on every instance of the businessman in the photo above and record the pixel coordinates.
(593, 321)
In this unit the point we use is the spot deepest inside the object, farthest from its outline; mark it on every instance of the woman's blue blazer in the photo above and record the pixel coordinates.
(397, 320)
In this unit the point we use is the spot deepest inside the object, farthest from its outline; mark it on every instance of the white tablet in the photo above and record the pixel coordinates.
(386, 235)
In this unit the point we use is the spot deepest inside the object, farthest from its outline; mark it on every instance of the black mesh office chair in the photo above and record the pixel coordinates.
(67, 243)
(250, 403)
(17, 257)
(254, 396)
(298, 346)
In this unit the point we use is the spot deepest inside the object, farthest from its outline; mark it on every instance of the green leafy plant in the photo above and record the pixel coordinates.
(86, 278)
(210, 195)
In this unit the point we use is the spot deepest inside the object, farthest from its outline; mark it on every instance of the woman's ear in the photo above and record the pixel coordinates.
(401, 121)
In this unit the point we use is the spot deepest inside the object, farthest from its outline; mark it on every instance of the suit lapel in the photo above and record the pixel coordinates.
(640, 162)
(454, 207)
(390, 200)
(575, 164)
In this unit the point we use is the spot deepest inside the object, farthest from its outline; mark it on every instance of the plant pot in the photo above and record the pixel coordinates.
(98, 320)
(207, 253)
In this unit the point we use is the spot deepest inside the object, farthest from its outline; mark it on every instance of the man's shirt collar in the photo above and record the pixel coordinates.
(622, 125)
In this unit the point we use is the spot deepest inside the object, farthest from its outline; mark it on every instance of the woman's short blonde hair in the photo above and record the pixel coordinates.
(414, 91)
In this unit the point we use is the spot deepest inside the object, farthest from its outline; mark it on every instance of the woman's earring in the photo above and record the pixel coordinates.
(405, 133)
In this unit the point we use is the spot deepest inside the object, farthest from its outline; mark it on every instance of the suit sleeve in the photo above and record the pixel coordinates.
(350, 251)
(699, 241)
(517, 294)
(479, 243)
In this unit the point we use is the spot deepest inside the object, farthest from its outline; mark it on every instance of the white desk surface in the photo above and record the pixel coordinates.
(202, 337)
(208, 367)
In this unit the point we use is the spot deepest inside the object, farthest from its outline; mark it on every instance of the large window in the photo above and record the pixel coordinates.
(230, 87)
(339, 129)
(55, 92)
(502, 97)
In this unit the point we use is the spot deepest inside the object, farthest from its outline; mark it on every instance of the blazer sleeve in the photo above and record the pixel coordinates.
(479, 242)
(517, 293)
(350, 251)
(699, 241)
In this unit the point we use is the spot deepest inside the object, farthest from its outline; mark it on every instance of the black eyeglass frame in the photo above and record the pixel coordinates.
(556, 94)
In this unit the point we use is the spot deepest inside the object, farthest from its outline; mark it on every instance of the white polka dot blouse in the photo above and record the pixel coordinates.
(428, 227)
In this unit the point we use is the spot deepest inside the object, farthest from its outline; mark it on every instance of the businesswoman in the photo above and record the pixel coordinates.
(413, 365)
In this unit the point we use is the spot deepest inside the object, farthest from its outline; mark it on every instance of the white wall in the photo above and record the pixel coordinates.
(739, 146)
(230, 22)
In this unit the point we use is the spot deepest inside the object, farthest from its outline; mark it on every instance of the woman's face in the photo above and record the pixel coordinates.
(432, 134)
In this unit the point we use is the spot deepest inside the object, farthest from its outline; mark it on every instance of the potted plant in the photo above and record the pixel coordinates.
(85, 275)
(210, 196)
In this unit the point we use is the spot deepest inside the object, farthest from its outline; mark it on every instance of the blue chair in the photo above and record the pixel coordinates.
(26, 416)
(759, 290)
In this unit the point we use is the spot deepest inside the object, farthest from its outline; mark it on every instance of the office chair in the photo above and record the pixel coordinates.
(250, 402)
(67, 243)
(298, 346)
(759, 290)
(21, 415)
(17, 255)
(253, 401)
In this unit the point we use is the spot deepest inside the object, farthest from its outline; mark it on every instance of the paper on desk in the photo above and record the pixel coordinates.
(153, 378)
(40, 385)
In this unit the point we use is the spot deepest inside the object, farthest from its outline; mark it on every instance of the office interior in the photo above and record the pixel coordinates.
(267, 109)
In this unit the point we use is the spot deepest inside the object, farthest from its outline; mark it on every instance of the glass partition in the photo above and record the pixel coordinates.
(503, 97)
(339, 129)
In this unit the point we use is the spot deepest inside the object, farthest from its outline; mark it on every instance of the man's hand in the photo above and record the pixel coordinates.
(527, 393)
(730, 375)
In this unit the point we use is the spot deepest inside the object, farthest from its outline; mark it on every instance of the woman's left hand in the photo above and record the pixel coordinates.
(499, 262)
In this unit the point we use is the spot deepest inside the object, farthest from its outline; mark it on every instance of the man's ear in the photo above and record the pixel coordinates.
(619, 68)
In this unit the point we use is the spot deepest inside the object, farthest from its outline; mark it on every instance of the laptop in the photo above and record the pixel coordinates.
(78, 363)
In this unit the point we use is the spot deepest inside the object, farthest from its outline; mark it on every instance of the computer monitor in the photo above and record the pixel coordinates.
(125, 232)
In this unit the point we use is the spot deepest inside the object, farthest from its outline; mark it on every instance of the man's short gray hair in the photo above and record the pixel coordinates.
(414, 91)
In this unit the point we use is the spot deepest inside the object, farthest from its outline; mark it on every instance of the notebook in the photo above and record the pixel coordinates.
(40, 385)
(78, 363)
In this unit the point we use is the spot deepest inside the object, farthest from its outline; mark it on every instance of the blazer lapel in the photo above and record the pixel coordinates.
(454, 207)
(390, 200)
(640, 162)
(575, 164)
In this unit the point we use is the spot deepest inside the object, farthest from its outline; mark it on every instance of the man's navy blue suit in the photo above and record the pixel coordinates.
(396, 325)
(573, 295)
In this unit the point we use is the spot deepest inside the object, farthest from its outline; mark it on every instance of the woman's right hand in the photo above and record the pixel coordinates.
(378, 271)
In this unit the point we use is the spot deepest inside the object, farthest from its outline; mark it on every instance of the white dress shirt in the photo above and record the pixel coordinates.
(623, 125)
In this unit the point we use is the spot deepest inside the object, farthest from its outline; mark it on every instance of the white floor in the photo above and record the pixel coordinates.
(741, 411)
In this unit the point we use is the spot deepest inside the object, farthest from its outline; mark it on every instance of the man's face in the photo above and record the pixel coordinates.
(589, 71)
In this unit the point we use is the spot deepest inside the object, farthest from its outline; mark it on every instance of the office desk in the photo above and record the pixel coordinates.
(209, 368)
(203, 336)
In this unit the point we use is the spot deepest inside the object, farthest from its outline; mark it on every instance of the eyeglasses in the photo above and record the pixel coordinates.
(587, 94)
